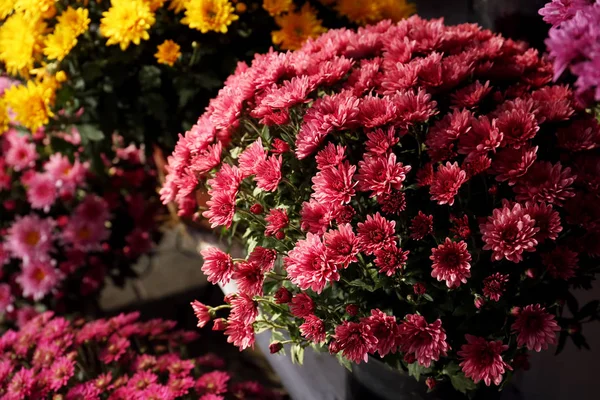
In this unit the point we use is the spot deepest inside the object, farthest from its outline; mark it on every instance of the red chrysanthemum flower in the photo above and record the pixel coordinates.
(381, 174)
(385, 329)
(330, 156)
(421, 226)
(476, 165)
(277, 220)
(217, 266)
(553, 103)
(471, 95)
(425, 175)
(547, 220)
(535, 328)
(484, 136)
(249, 278)
(580, 135)
(302, 305)
(380, 142)
(268, 173)
(316, 217)
(240, 334)
(279, 146)
(355, 340)
(334, 186)
(308, 265)
(509, 232)
(443, 135)
(243, 308)
(446, 182)
(460, 228)
(283, 296)
(202, 312)
(251, 157)
(518, 126)
(426, 342)
(393, 202)
(561, 262)
(545, 182)
(390, 259)
(494, 285)
(451, 263)
(414, 106)
(263, 258)
(376, 111)
(376, 233)
(482, 360)
(342, 245)
(313, 329)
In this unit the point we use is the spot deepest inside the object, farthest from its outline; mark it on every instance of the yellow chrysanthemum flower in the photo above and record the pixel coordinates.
(30, 103)
(360, 11)
(209, 15)
(396, 9)
(6, 7)
(177, 5)
(155, 4)
(59, 43)
(36, 9)
(20, 43)
(296, 28)
(75, 19)
(276, 7)
(168, 52)
(126, 21)
(4, 119)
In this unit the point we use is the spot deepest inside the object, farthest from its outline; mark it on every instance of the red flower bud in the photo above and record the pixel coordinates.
(220, 324)
(530, 273)
(430, 382)
(275, 347)
(352, 309)
(334, 347)
(283, 296)
(479, 302)
(256, 209)
(419, 288)
(493, 190)
(410, 358)
(515, 311)
(280, 235)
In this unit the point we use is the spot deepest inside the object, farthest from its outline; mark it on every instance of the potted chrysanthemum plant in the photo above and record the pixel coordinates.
(413, 193)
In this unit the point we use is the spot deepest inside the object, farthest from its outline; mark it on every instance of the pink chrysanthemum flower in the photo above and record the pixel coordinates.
(263, 258)
(471, 95)
(38, 278)
(334, 186)
(308, 265)
(427, 342)
(302, 305)
(93, 208)
(178, 385)
(535, 328)
(221, 209)
(21, 154)
(446, 182)
(217, 266)
(451, 263)
(41, 191)
(342, 245)
(214, 382)
(545, 182)
(313, 329)
(518, 126)
(393, 202)
(421, 226)
(268, 173)
(511, 164)
(68, 177)
(442, 138)
(243, 308)
(61, 371)
(385, 329)
(330, 156)
(355, 340)
(249, 278)
(561, 262)
(376, 233)
(240, 334)
(202, 312)
(390, 259)
(141, 380)
(558, 11)
(30, 238)
(207, 159)
(380, 142)
(494, 285)
(482, 360)
(509, 232)
(84, 235)
(315, 217)
(277, 220)
(376, 111)
(21, 384)
(251, 158)
(115, 349)
(484, 136)
(381, 174)
(547, 220)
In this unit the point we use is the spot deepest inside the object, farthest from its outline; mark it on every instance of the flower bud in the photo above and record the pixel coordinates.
(220, 324)
(283, 296)
(275, 347)
(530, 273)
(479, 302)
(410, 358)
(515, 311)
(334, 347)
(280, 235)
(256, 209)
(352, 309)
(419, 288)
(430, 382)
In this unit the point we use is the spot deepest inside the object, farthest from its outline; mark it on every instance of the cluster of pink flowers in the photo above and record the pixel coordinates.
(116, 358)
(574, 42)
(413, 190)
(65, 227)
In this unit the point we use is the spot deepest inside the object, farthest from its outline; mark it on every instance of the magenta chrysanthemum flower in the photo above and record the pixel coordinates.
(376, 111)
(214, 382)
(390, 259)
(426, 342)
(421, 226)
(511, 164)
(376, 233)
(268, 173)
(482, 360)
(41, 191)
(547, 220)
(355, 340)
(484, 136)
(446, 182)
(217, 266)
(385, 329)
(84, 235)
(381, 174)
(202, 312)
(451, 263)
(67, 177)
(471, 95)
(313, 329)
(277, 220)
(30, 238)
(545, 182)
(249, 278)
(308, 265)
(535, 328)
(61, 371)
(250, 158)
(21, 154)
(21, 384)
(316, 217)
(380, 142)
(561, 262)
(243, 308)
(263, 258)
(392, 203)
(302, 305)
(342, 245)
(518, 126)
(494, 285)
(443, 135)
(334, 186)
(330, 156)
(93, 209)
(509, 232)
(240, 334)
(558, 11)
(115, 349)
(38, 278)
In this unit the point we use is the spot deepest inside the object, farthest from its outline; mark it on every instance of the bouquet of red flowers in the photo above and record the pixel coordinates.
(67, 225)
(414, 192)
(116, 358)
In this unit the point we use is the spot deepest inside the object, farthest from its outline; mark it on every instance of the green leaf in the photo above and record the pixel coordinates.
(462, 383)
(361, 284)
(344, 361)
(251, 243)
(427, 297)
(415, 369)
(90, 133)
(297, 354)
(261, 326)
(149, 77)
(589, 309)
